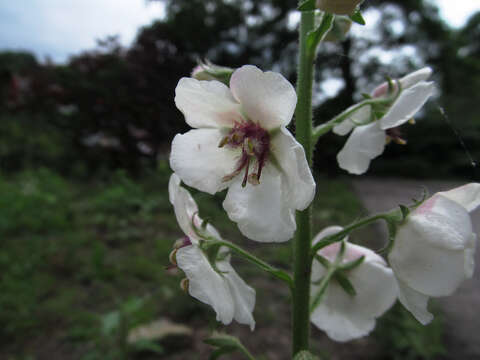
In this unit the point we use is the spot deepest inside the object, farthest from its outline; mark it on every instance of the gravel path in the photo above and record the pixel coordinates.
(461, 310)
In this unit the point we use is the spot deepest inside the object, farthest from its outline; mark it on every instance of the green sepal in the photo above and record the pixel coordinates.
(225, 344)
(352, 264)
(345, 283)
(405, 211)
(315, 36)
(357, 17)
(307, 5)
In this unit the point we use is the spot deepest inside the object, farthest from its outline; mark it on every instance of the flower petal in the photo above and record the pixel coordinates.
(408, 104)
(242, 294)
(364, 144)
(428, 254)
(207, 104)
(415, 77)
(199, 162)
(345, 317)
(415, 302)
(267, 98)
(467, 195)
(260, 211)
(298, 186)
(183, 205)
(205, 284)
(361, 116)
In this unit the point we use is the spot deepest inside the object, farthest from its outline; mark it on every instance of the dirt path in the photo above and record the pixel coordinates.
(461, 309)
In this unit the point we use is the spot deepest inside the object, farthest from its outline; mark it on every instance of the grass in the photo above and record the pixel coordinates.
(83, 263)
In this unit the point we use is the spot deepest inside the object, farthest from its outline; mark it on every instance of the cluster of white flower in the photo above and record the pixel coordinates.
(240, 142)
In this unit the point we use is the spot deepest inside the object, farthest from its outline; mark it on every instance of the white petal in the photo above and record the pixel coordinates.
(408, 104)
(415, 77)
(428, 254)
(298, 186)
(361, 116)
(206, 103)
(364, 144)
(330, 230)
(415, 302)
(260, 211)
(267, 98)
(242, 295)
(467, 195)
(205, 284)
(199, 162)
(184, 206)
(345, 317)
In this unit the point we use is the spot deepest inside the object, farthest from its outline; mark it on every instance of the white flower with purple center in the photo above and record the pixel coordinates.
(434, 249)
(372, 125)
(240, 142)
(217, 284)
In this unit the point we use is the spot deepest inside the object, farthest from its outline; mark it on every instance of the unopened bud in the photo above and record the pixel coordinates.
(339, 7)
(184, 284)
(209, 71)
(338, 32)
(173, 257)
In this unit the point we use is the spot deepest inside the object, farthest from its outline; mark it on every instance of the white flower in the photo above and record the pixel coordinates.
(368, 141)
(240, 142)
(343, 316)
(223, 290)
(434, 249)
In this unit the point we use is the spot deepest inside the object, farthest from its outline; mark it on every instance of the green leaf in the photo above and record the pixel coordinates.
(405, 211)
(315, 36)
(345, 283)
(357, 17)
(307, 5)
(352, 264)
(305, 355)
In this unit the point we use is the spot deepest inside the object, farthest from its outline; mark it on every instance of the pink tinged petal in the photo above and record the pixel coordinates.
(184, 206)
(205, 284)
(361, 116)
(415, 77)
(267, 98)
(407, 105)
(243, 295)
(298, 185)
(199, 162)
(415, 302)
(467, 195)
(344, 317)
(207, 104)
(364, 144)
(260, 211)
(429, 251)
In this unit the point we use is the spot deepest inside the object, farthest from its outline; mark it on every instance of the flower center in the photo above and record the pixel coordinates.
(254, 142)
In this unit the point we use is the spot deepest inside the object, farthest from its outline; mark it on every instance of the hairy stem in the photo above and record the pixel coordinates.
(302, 242)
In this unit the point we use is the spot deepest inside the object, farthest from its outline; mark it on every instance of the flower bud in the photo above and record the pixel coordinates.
(339, 7)
(184, 284)
(209, 71)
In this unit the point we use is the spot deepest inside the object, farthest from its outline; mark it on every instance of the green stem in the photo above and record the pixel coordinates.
(347, 230)
(322, 287)
(302, 242)
(279, 274)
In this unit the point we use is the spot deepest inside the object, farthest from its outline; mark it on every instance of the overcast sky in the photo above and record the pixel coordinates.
(59, 28)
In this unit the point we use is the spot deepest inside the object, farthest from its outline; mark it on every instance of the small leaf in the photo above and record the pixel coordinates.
(226, 344)
(307, 5)
(345, 283)
(357, 17)
(305, 355)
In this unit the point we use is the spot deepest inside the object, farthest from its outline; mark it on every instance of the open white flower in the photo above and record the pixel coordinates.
(434, 249)
(240, 142)
(343, 316)
(372, 127)
(221, 288)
